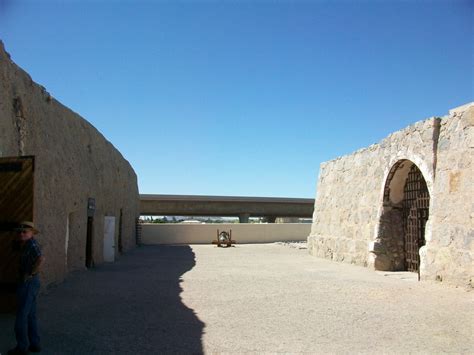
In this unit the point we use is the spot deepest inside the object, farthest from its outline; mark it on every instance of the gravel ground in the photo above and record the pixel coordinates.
(264, 298)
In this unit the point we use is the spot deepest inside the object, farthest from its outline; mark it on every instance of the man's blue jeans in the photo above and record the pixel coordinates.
(26, 326)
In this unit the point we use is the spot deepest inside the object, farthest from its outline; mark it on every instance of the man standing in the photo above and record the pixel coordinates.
(31, 259)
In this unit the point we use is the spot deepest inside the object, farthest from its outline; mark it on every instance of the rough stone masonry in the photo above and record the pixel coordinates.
(405, 203)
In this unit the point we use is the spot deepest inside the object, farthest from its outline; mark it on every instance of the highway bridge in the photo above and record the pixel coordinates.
(226, 206)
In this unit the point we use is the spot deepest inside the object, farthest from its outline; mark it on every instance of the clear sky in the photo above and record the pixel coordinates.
(244, 97)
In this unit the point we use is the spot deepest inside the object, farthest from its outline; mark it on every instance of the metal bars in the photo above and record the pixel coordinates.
(416, 200)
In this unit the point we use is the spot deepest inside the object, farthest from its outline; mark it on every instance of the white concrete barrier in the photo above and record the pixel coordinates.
(243, 233)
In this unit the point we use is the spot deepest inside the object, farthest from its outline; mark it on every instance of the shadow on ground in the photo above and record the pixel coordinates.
(131, 306)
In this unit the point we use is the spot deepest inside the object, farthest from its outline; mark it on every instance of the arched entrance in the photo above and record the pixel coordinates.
(403, 219)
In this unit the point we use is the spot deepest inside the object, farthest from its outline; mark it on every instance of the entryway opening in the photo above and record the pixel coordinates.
(90, 233)
(89, 242)
(16, 205)
(120, 244)
(403, 219)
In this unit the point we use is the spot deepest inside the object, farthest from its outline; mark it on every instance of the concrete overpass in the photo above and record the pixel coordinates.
(226, 206)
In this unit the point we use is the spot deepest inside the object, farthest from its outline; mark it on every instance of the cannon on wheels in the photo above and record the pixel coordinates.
(224, 239)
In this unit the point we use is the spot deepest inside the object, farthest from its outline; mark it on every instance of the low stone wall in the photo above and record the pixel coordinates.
(205, 233)
(357, 219)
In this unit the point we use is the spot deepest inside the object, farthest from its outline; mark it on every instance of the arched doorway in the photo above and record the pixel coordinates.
(403, 219)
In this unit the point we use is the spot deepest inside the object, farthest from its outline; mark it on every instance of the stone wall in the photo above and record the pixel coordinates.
(73, 162)
(450, 247)
(357, 208)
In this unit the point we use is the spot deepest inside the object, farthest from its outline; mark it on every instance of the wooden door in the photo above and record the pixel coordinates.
(16, 205)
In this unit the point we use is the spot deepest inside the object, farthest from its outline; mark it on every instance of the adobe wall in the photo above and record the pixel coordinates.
(242, 233)
(353, 223)
(73, 162)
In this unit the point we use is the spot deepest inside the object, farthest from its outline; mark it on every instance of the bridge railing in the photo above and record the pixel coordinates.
(176, 233)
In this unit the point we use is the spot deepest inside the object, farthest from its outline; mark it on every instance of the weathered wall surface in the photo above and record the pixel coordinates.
(73, 162)
(350, 191)
(352, 221)
(242, 233)
(343, 222)
(450, 247)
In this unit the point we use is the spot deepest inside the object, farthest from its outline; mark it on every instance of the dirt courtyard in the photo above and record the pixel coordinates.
(263, 298)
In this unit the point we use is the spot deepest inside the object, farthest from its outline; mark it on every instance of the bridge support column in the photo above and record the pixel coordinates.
(244, 218)
(270, 219)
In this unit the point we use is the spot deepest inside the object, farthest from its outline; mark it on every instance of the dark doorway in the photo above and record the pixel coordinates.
(416, 201)
(89, 242)
(16, 205)
(120, 245)
(403, 219)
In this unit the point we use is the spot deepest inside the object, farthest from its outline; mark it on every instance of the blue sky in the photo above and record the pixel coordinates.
(244, 97)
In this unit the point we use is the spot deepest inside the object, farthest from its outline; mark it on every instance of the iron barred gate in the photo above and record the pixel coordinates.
(416, 200)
